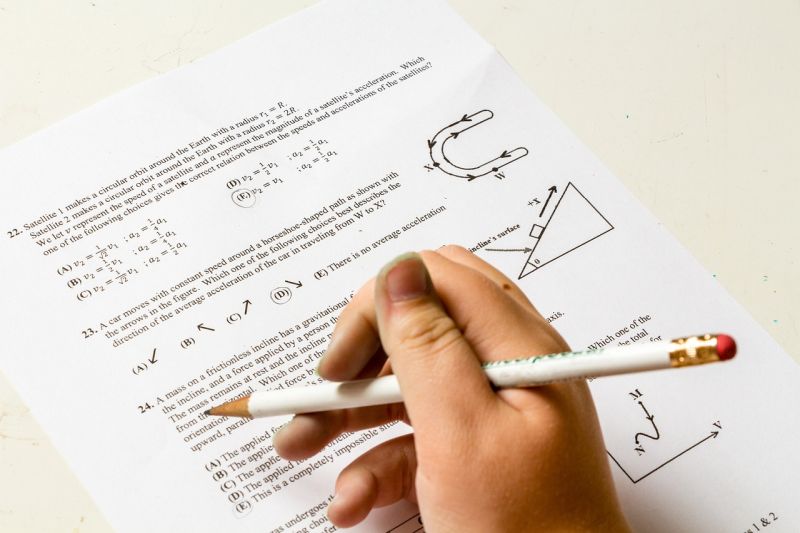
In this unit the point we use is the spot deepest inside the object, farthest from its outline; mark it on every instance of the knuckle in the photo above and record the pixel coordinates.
(454, 250)
(429, 332)
(427, 255)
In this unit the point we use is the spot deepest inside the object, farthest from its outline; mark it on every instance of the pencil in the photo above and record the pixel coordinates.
(525, 372)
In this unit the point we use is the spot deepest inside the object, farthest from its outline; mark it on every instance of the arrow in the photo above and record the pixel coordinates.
(552, 190)
(247, 304)
(465, 118)
(452, 131)
(153, 357)
(470, 177)
(297, 284)
(713, 435)
(201, 327)
(436, 148)
(649, 417)
(526, 250)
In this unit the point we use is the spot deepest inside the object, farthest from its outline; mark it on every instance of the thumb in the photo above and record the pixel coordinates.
(438, 371)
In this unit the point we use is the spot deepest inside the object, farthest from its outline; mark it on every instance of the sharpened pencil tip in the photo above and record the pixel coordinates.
(238, 407)
(207, 412)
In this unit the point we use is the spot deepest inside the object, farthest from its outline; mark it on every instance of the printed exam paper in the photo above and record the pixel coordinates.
(195, 237)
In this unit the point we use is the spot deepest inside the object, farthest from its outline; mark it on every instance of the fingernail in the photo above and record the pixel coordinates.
(344, 496)
(406, 278)
(279, 438)
(282, 428)
(319, 364)
(338, 501)
(318, 370)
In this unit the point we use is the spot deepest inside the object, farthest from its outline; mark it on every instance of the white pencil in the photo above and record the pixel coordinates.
(528, 372)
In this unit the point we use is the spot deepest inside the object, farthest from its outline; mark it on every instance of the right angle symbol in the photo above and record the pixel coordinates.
(573, 222)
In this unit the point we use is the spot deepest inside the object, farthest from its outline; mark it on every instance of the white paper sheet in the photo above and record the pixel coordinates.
(196, 236)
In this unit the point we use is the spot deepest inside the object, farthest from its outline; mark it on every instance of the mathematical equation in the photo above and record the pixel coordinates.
(282, 111)
(114, 263)
(312, 154)
(247, 188)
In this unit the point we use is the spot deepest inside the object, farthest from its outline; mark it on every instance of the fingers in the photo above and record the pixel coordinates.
(307, 434)
(463, 256)
(382, 476)
(490, 316)
(355, 337)
(433, 362)
(354, 340)
(496, 324)
(356, 353)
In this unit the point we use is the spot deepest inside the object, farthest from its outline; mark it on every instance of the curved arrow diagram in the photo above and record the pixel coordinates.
(451, 132)
(649, 417)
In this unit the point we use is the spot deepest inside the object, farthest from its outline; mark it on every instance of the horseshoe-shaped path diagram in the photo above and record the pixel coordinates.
(452, 131)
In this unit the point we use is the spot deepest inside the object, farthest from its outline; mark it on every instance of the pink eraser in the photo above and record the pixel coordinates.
(726, 347)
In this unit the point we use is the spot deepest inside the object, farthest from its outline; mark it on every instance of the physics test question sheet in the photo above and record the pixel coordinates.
(195, 237)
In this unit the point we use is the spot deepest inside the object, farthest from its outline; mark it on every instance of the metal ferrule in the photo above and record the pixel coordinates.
(688, 351)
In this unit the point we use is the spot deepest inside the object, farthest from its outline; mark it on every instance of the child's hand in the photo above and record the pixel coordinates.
(479, 460)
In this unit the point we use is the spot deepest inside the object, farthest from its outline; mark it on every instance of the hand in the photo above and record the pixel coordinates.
(478, 460)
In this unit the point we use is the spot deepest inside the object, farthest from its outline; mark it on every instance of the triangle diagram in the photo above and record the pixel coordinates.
(573, 223)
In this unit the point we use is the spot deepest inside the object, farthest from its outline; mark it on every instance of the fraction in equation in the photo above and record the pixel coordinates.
(314, 153)
(114, 263)
(246, 188)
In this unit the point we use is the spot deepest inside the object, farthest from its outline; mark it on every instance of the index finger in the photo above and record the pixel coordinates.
(433, 362)
(482, 309)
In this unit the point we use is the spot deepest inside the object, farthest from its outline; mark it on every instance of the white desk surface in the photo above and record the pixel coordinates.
(692, 104)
